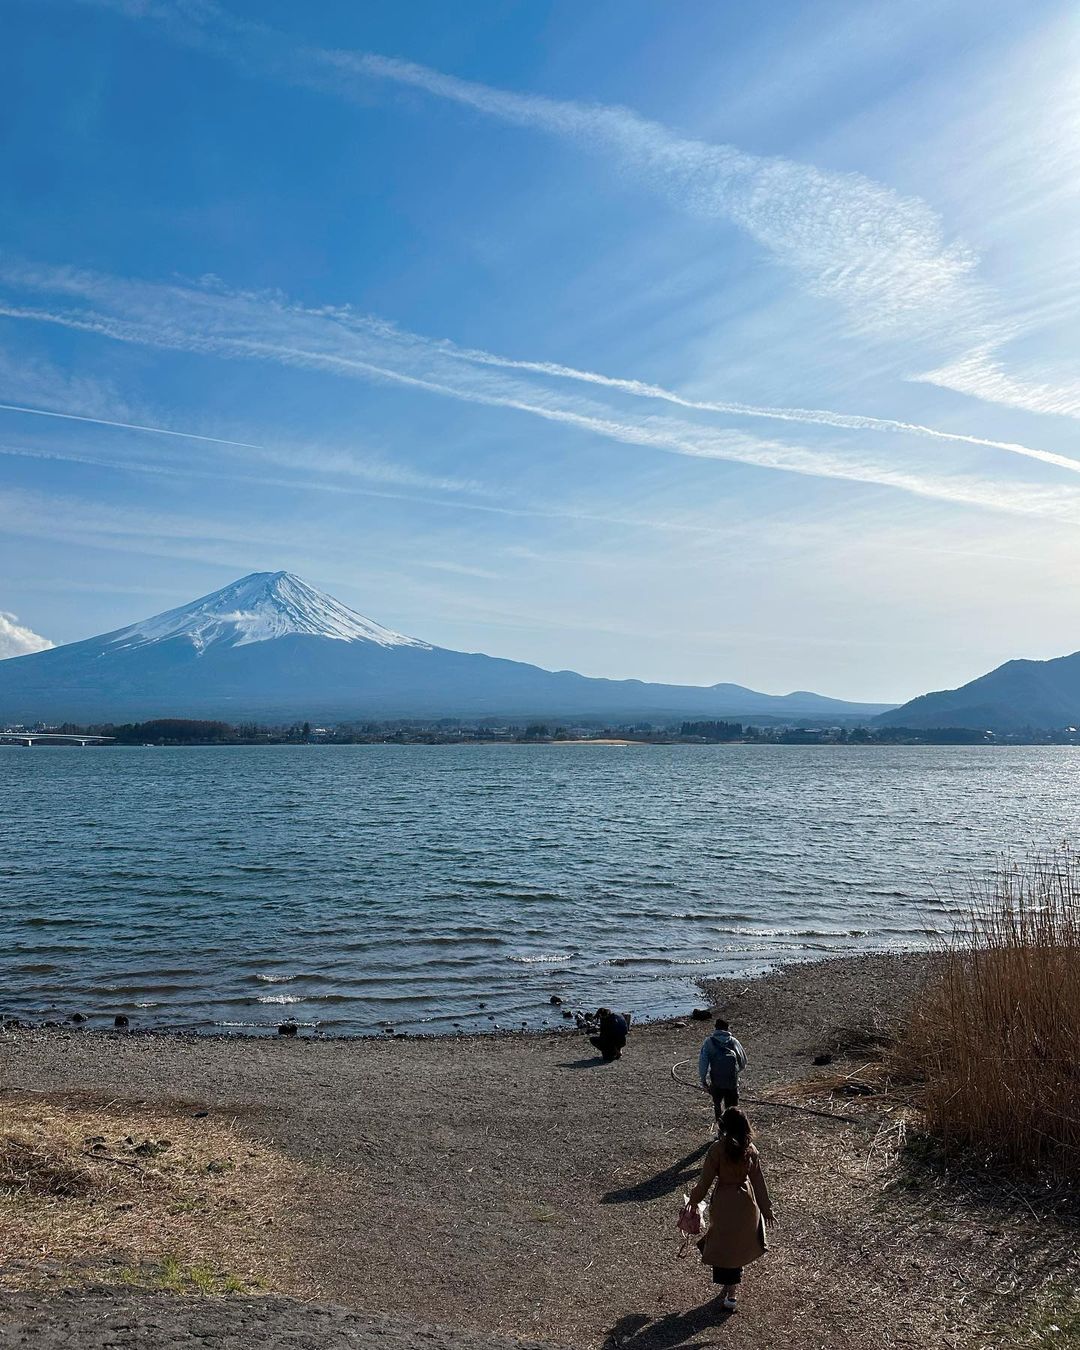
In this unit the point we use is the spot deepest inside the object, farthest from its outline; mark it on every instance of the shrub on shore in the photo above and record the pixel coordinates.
(995, 1038)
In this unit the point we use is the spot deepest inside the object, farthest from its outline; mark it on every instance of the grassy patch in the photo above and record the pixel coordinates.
(174, 1277)
(96, 1194)
(1055, 1323)
(32, 1168)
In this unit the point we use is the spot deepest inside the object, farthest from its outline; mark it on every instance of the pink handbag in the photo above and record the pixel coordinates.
(690, 1223)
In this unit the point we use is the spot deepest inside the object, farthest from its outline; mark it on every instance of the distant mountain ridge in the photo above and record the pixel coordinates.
(270, 646)
(1017, 696)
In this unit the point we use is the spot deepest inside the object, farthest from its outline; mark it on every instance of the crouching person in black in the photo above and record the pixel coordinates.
(612, 1031)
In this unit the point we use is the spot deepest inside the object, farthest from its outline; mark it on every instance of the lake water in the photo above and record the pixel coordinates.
(353, 886)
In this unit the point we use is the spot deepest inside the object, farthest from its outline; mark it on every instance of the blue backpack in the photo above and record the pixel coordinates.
(723, 1063)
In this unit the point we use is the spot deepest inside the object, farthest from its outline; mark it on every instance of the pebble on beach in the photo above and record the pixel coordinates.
(120, 1020)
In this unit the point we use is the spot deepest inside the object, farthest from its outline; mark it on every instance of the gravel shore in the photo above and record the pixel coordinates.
(517, 1186)
(164, 1322)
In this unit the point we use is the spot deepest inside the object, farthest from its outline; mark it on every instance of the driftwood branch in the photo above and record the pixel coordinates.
(103, 1157)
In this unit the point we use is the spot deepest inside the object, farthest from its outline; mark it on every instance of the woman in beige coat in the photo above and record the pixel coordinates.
(740, 1207)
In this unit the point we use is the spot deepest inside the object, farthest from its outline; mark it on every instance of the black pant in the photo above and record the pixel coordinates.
(723, 1098)
(727, 1274)
(608, 1047)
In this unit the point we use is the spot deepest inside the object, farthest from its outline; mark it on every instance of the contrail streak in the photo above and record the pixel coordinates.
(673, 438)
(812, 416)
(126, 426)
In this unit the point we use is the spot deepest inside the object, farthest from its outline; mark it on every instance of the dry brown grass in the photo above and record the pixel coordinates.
(154, 1198)
(995, 1039)
(33, 1168)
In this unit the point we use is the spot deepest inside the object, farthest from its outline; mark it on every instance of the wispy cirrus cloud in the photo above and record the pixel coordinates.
(301, 483)
(36, 378)
(462, 569)
(214, 321)
(823, 417)
(371, 468)
(315, 459)
(49, 517)
(29, 379)
(979, 374)
(884, 256)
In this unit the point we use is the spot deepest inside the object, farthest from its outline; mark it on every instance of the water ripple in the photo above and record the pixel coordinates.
(437, 887)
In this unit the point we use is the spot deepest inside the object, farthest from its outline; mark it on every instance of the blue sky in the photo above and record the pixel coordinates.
(696, 343)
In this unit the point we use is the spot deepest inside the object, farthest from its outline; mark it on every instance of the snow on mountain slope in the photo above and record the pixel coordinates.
(257, 608)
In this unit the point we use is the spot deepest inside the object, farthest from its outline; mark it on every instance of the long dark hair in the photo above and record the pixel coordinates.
(737, 1133)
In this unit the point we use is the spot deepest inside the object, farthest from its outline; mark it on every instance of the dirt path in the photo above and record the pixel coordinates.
(517, 1186)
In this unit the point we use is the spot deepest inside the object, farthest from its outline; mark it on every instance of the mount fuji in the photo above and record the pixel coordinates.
(270, 646)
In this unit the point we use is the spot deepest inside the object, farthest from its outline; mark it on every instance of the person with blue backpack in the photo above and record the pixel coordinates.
(721, 1061)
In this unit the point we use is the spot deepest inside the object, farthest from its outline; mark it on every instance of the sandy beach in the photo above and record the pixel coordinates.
(515, 1186)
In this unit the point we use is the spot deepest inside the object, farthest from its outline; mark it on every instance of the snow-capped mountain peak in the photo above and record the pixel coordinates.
(271, 647)
(258, 608)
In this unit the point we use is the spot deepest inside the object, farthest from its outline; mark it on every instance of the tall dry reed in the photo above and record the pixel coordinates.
(995, 1039)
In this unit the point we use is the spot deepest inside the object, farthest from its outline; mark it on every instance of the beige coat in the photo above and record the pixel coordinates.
(740, 1199)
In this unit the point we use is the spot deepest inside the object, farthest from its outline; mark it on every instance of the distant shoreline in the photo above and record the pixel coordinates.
(608, 741)
(511, 729)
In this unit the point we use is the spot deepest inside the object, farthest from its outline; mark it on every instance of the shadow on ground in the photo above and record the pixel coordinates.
(636, 1332)
(663, 1183)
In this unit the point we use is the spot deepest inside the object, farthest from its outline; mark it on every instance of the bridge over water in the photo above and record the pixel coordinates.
(29, 738)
